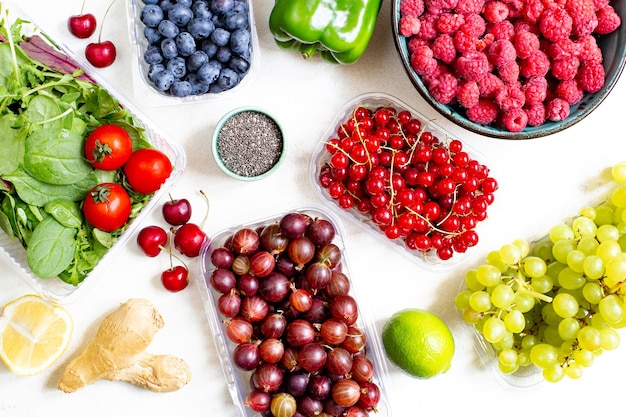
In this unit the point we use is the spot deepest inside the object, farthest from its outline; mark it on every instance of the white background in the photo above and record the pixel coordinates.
(541, 182)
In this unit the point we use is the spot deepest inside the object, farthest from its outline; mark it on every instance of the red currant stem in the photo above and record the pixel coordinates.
(435, 228)
(361, 140)
(206, 213)
(339, 149)
(106, 12)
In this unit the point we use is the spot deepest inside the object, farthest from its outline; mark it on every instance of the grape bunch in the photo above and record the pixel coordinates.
(555, 304)
(421, 191)
(286, 305)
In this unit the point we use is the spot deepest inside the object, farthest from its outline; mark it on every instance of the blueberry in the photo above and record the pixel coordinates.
(181, 88)
(196, 60)
(150, 1)
(152, 35)
(209, 72)
(221, 6)
(154, 69)
(240, 42)
(200, 28)
(236, 20)
(168, 48)
(209, 48)
(163, 80)
(201, 9)
(220, 36)
(223, 54)
(186, 3)
(180, 14)
(227, 79)
(153, 55)
(197, 87)
(166, 5)
(151, 15)
(168, 29)
(239, 7)
(218, 20)
(177, 66)
(239, 64)
(185, 44)
(215, 88)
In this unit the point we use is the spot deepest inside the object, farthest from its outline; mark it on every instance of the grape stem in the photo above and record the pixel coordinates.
(524, 288)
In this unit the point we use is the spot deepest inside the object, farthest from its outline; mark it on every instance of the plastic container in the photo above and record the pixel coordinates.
(54, 288)
(238, 380)
(321, 158)
(263, 146)
(144, 88)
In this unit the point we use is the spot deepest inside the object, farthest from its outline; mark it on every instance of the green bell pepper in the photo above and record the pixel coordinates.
(338, 30)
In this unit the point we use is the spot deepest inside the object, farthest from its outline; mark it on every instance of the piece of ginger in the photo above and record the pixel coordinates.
(118, 353)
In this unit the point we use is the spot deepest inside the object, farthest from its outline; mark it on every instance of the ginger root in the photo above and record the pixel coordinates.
(118, 353)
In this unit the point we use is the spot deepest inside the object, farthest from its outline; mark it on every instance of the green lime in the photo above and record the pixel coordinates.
(419, 342)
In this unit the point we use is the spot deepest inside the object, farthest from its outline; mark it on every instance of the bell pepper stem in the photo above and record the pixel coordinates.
(308, 50)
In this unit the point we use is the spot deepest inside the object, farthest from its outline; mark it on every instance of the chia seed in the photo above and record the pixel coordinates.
(250, 143)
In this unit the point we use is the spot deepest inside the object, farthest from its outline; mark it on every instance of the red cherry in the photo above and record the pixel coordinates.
(175, 279)
(82, 26)
(150, 239)
(188, 239)
(101, 54)
(177, 212)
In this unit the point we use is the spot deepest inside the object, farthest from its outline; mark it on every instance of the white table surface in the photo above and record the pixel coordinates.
(541, 182)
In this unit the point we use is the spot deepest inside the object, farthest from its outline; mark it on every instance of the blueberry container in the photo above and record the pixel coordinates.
(238, 380)
(190, 53)
(320, 163)
(54, 288)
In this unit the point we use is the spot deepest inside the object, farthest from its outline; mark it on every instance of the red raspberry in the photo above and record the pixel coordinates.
(557, 109)
(521, 25)
(565, 48)
(509, 72)
(535, 90)
(536, 114)
(449, 22)
(510, 97)
(515, 120)
(588, 50)
(428, 30)
(443, 88)
(583, 16)
(464, 42)
(474, 25)
(467, 7)
(411, 7)
(468, 94)
(502, 30)
(495, 11)
(526, 43)
(536, 64)
(489, 85)
(516, 7)
(565, 68)
(600, 4)
(570, 91)
(414, 43)
(443, 48)
(409, 25)
(591, 76)
(532, 10)
(472, 66)
(608, 20)
(555, 24)
(501, 52)
(422, 60)
(484, 113)
(440, 6)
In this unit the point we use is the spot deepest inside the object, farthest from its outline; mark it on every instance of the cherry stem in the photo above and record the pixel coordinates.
(103, 19)
(206, 214)
(171, 253)
(82, 8)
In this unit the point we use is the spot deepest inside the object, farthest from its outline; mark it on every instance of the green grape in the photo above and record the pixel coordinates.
(554, 269)
(524, 302)
(507, 369)
(570, 279)
(534, 266)
(562, 248)
(618, 171)
(471, 282)
(566, 348)
(523, 358)
(550, 335)
(543, 249)
(493, 258)
(599, 322)
(615, 270)
(461, 301)
(593, 267)
(549, 315)
(523, 246)
(471, 316)
(589, 338)
(588, 212)
(480, 301)
(502, 296)
(608, 250)
(573, 370)
(575, 260)
(488, 275)
(507, 342)
(528, 341)
(584, 357)
(583, 227)
(542, 284)
(507, 357)
(514, 321)
(561, 231)
(611, 308)
(494, 329)
(618, 196)
(553, 373)
(568, 328)
(565, 305)
(592, 291)
(510, 254)
(544, 355)
(607, 232)
(610, 338)
(604, 215)
(588, 245)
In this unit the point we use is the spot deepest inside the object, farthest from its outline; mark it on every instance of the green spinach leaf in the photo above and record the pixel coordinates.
(51, 248)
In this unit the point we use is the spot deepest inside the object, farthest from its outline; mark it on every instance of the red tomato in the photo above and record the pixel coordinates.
(108, 147)
(107, 206)
(147, 169)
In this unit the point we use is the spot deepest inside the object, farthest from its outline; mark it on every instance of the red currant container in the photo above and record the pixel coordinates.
(271, 313)
(383, 165)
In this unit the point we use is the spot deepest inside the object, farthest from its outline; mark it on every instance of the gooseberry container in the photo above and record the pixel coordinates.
(54, 288)
(237, 380)
(320, 158)
(145, 89)
(266, 147)
(613, 46)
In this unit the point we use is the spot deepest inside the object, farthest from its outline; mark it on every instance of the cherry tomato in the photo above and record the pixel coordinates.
(107, 206)
(108, 147)
(147, 169)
